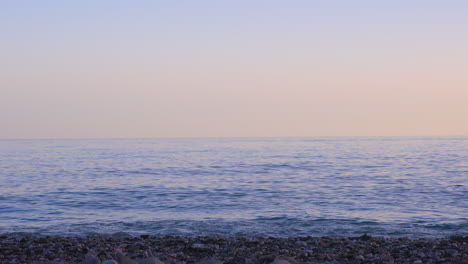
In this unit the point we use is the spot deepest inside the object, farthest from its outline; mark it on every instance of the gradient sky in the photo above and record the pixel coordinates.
(117, 69)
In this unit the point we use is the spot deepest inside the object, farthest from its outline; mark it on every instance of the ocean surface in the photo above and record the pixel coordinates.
(282, 187)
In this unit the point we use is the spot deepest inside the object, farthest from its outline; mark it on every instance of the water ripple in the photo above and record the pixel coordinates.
(278, 187)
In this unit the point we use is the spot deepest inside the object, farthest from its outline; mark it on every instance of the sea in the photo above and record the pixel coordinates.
(279, 187)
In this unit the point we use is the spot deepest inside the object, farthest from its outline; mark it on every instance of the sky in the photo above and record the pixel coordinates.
(303, 68)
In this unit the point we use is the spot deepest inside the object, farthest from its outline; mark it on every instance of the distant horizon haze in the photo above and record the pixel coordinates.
(253, 137)
(210, 69)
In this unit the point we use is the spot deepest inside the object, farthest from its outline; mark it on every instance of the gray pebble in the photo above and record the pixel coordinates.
(210, 261)
(109, 262)
(151, 260)
(301, 243)
(452, 252)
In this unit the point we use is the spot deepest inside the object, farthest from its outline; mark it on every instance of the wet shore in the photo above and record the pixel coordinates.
(243, 250)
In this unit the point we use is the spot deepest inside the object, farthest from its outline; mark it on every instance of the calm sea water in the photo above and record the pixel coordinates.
(414, 187)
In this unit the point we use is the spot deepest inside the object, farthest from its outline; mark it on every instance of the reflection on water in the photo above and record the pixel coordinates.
(312, 186)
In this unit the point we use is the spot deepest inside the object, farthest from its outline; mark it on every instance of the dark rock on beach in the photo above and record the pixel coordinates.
(148, 249)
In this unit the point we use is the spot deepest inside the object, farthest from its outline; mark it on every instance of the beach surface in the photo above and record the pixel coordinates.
(248, 250)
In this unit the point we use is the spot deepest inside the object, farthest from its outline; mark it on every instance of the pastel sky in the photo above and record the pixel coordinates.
(243, 68)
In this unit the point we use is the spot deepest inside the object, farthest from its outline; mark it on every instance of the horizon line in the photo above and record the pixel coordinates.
(237, 137)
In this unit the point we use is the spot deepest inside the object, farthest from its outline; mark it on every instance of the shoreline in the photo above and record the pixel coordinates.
(248, 250)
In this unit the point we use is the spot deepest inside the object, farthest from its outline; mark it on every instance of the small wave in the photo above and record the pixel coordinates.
(274, 226)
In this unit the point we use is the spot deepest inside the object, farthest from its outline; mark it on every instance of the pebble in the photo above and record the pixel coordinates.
(301, 243)
(198, 245)
(452, 252)
(231, 250)
(210, 261)
(359, 257)
(281, 260)
(152, 260)
(109, 262)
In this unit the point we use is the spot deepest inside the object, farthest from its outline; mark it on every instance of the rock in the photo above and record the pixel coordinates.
(248, 261)
(282, 260)
(199, 245)
(452, 252)
(301, 243)
(302, 255)
(365, 237)
(266, 258)
(91, 258)
(210, 261)
(122, 259)
(109, 261)
(151, 260)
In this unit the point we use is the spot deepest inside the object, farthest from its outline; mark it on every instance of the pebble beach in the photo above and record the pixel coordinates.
(217, 249)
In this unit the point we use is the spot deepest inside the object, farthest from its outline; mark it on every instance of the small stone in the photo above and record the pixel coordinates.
(452, 252)
(151, 260)
(281, 260)
(38, 250)
(417, 261)
(248, 261)
(266, 258)
(91, 258)
(122, 259)
(210, 261)
(109, 261)
(301, 243)
(303, 254)
(199, 245)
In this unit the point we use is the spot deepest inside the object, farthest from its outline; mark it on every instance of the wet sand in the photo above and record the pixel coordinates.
(248, 250)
